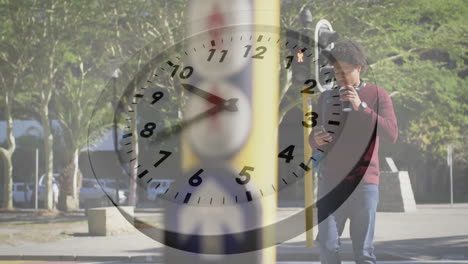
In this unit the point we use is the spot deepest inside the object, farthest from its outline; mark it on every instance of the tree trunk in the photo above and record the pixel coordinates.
(133, 168)
(75, 174)
(48, 155)
(6, 155)
(70, 182)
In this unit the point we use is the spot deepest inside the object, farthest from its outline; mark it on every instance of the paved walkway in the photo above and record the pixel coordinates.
(434, 232)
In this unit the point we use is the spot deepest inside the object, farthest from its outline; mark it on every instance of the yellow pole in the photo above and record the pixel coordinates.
(262, 146)
(308, 176)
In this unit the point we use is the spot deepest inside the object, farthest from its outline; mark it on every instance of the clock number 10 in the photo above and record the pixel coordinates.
(185, 73)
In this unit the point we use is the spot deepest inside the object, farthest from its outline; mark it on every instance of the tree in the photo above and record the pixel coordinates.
(14, 65)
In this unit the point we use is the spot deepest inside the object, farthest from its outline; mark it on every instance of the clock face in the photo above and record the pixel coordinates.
(169, 103)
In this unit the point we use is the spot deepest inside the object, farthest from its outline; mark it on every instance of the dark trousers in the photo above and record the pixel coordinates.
(359, 206)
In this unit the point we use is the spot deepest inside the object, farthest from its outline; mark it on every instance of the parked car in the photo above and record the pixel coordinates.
(42, 188)
(157, 187)
(94, 195)
(22, 193)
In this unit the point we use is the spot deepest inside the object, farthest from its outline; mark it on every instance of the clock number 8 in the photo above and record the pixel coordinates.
(311, 120)
(148, 130)
(196, 180)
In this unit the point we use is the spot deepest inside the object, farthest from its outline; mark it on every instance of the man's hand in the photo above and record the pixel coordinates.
(352, 96)
(322, 138)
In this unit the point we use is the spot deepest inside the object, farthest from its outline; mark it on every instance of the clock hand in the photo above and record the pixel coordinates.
(228, 105)
(214, 99)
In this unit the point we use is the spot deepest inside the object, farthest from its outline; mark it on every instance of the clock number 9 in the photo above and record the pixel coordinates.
(244, 173)
(157, 96)
(148, 130)
(196, 180)
(311, 120)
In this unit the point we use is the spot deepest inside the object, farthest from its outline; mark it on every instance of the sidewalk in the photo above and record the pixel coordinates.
(434, 232)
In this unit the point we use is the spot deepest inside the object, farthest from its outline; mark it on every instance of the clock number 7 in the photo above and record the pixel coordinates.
(244, 173)
(165, 154)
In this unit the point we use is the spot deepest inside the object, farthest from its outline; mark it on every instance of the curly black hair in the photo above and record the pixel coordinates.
(348, 51)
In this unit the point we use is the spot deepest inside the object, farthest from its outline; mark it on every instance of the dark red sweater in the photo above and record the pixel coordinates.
(353, 152)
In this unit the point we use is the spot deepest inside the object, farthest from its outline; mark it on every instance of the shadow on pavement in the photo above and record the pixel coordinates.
(436, 248)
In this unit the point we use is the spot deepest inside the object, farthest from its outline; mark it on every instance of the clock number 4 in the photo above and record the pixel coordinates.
(244, 175)
(311, 120)
(259, 55)
(287, 153)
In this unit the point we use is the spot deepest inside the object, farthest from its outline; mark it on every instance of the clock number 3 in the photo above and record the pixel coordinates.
(245, 175)
(311, 120)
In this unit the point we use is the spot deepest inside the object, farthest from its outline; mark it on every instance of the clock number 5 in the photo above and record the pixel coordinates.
(244, 174)
(311, 120)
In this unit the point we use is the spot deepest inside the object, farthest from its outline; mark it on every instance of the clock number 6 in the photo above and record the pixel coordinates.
(244, 173)
(311, 120)
(196, 180)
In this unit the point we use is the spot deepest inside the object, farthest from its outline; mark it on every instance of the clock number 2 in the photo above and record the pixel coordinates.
(196, 180)
(311, 120)
(244, 174)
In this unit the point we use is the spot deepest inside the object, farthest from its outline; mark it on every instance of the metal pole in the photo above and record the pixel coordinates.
(451, 183)
(36, 180)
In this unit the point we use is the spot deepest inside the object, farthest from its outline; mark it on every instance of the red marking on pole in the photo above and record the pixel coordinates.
(216, 20)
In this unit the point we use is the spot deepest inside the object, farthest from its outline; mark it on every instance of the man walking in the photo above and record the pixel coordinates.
(355, 115)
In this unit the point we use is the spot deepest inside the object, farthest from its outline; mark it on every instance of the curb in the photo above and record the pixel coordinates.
(302, 256)
(124, 259)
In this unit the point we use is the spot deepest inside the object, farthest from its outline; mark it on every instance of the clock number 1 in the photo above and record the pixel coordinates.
(244, 173)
